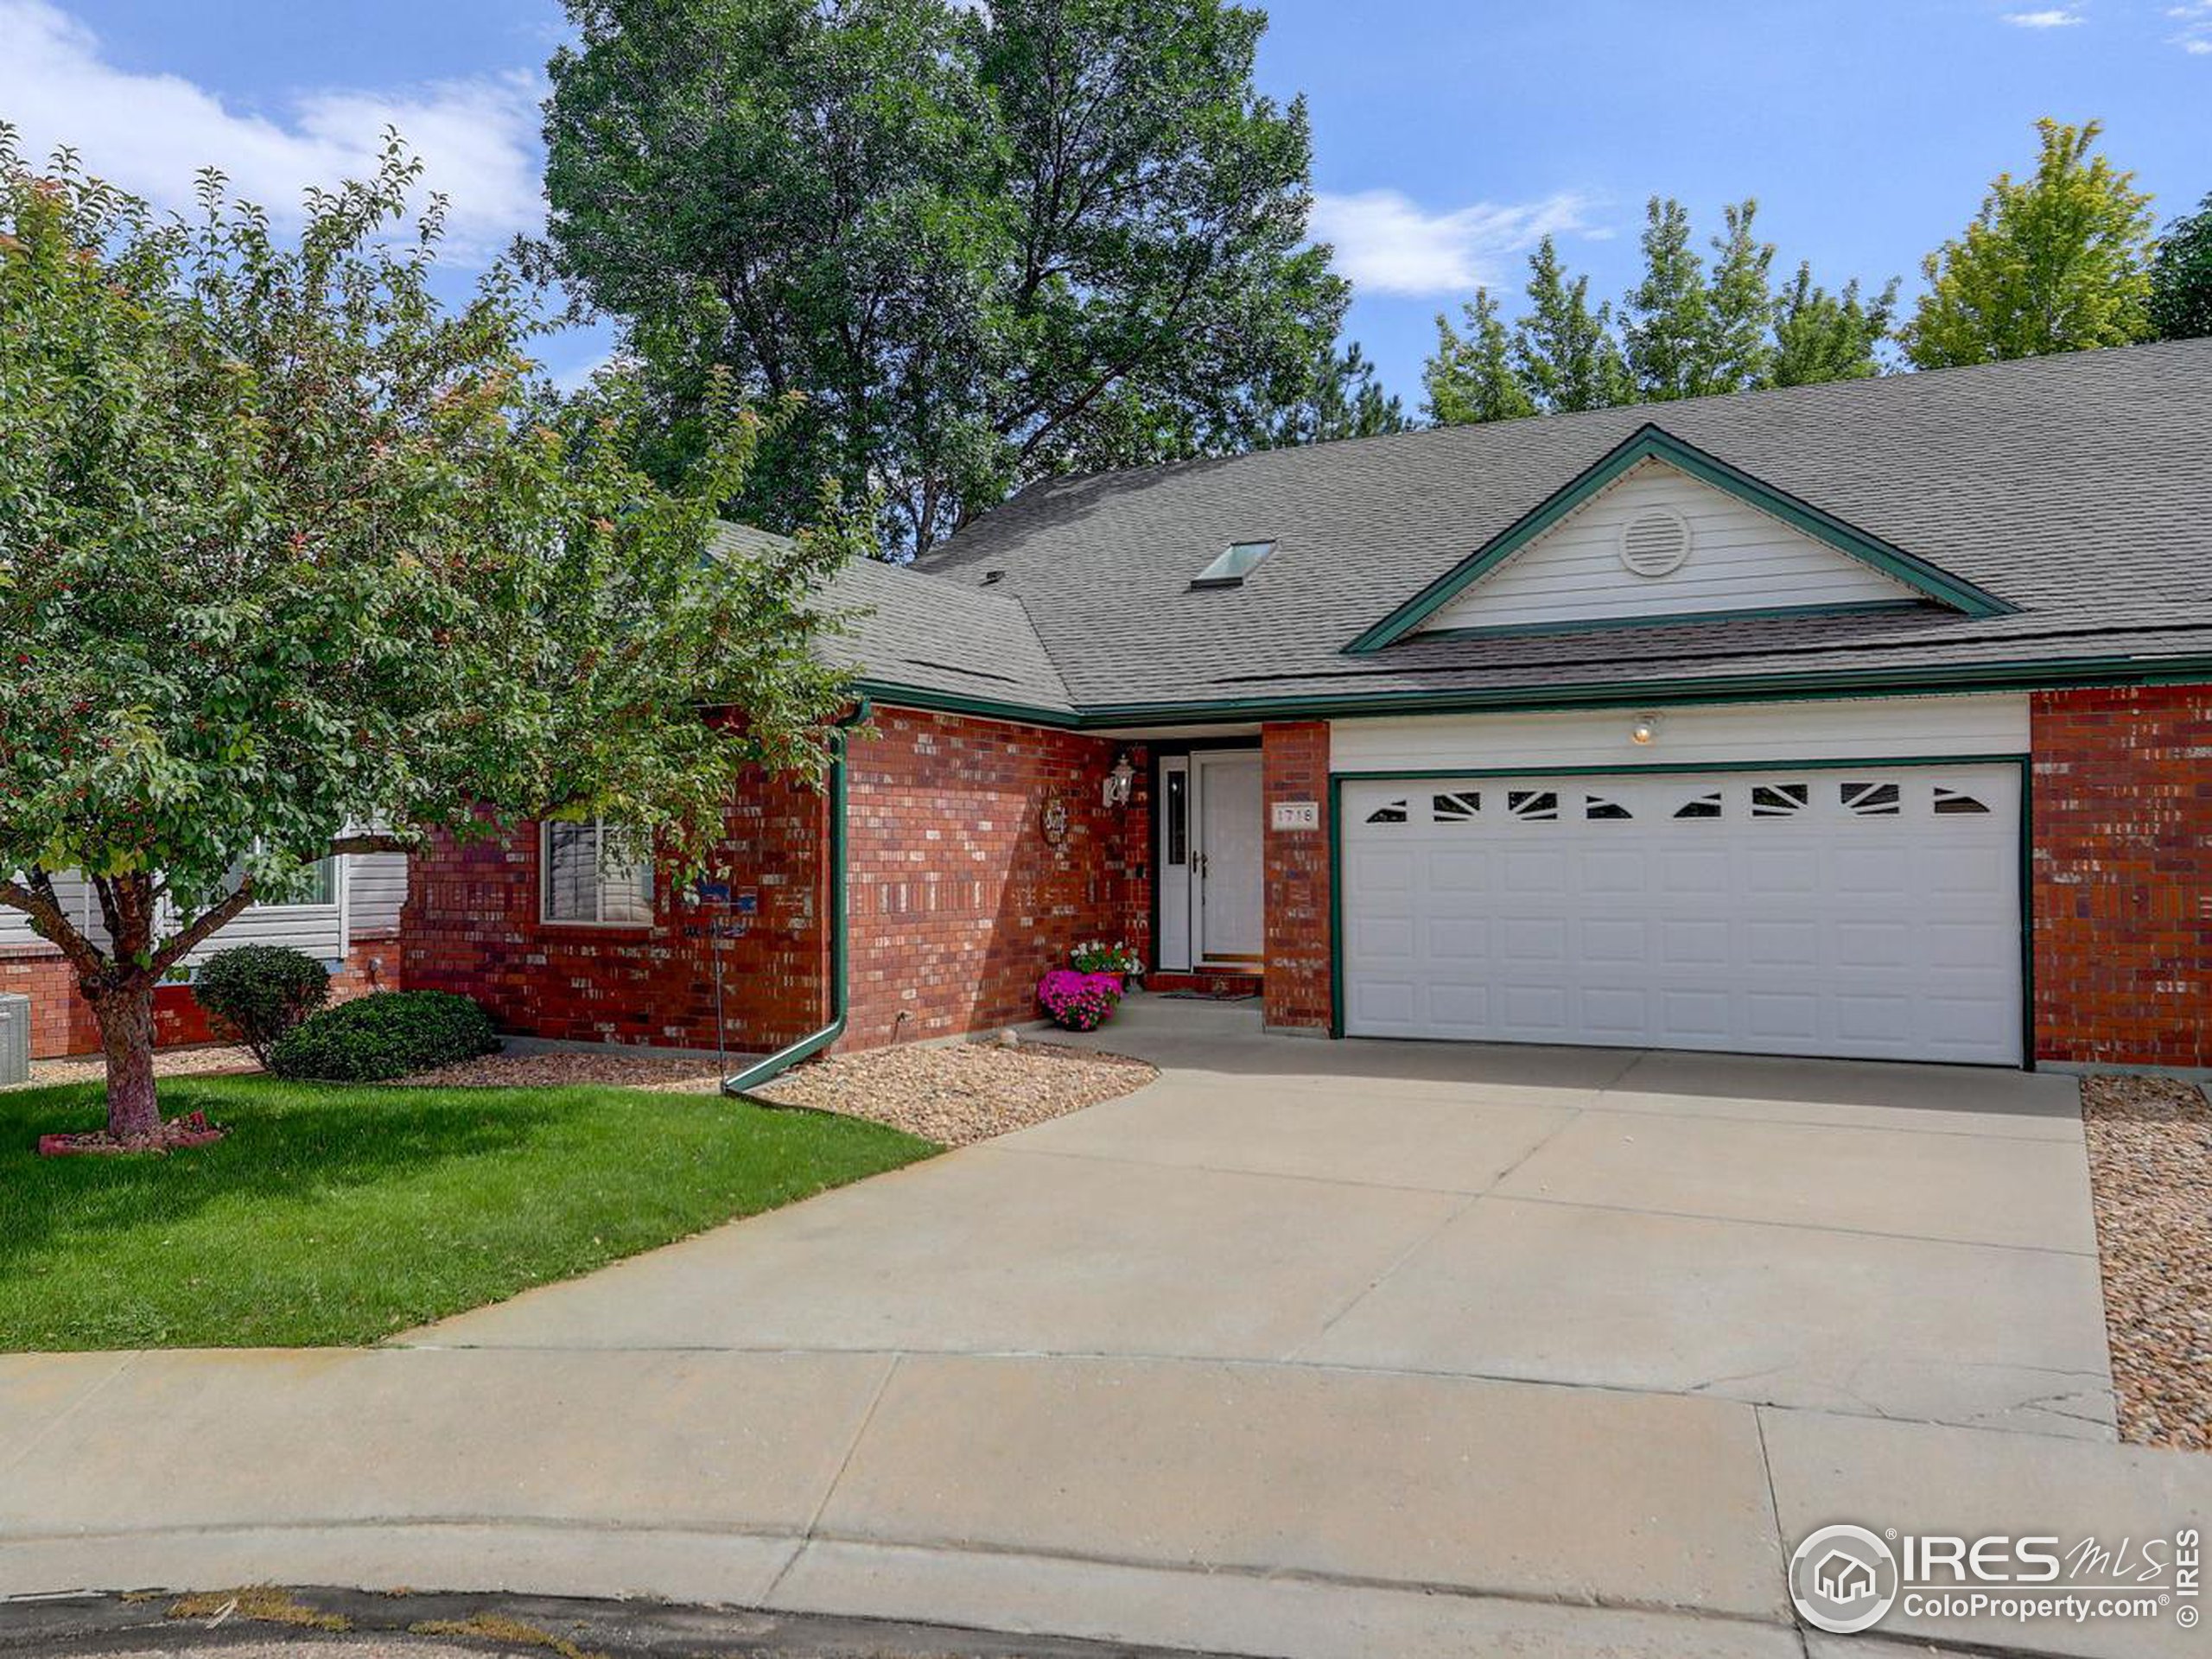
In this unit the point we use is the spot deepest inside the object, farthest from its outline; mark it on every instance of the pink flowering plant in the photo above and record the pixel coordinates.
(1078, 1001)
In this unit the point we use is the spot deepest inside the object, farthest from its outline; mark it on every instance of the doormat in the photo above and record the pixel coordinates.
(1212, 996)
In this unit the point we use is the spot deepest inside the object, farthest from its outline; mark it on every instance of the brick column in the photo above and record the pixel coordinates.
(1295, 761)
(2122, 874)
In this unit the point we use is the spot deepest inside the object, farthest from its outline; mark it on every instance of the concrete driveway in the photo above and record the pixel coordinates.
(1339, 1351)
(1902, 1242)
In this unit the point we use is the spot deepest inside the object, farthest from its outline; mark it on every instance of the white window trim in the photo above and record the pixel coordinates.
(598, 889)
(336, 901)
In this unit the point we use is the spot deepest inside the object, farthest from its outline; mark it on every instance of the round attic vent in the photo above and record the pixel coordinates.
(1655, 542)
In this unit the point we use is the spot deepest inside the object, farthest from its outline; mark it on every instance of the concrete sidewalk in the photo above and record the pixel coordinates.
(1309, 1348)
(1261, 1508)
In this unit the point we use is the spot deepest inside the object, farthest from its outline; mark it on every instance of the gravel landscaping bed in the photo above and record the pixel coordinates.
(168, 1063)
(2150, 1176)
(952, 1094)
(960, 1093)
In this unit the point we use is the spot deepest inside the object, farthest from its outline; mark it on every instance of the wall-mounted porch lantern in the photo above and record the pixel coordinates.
(1120, 782)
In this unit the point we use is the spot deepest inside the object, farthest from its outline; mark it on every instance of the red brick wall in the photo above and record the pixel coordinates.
(1294, 761)
(62, 1022)
(959, 903)
(471, 925)
(2122, 868)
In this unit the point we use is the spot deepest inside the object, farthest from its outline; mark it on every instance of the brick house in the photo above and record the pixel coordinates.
(1870, 719)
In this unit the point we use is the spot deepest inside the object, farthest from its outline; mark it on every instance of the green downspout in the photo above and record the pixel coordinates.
(840, 1000)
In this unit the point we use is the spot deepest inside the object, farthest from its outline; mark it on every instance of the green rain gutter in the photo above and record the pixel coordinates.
(840, 994)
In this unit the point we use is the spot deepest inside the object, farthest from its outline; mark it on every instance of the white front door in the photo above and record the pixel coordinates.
(1229, 910)
(1870, 912)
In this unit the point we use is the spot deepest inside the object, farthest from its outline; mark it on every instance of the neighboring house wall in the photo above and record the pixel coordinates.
(62, 1022)
(376, 891)
(2122, 809)
(317, 930)
(1740, 559)
(363, 956)
(1295, 761)
(959, 902)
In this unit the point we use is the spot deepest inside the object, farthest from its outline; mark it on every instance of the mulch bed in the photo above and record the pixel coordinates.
(175, 1134)
(957, 1094)
(558, 1069)
(2150, 1176)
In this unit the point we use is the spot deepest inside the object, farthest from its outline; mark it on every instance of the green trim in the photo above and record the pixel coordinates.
(1338, 779)
(959, 702)
(1660, 767)
(2027, 675)
(1336, 907)
(1611, 624)
(1650, 443)
(742, 1083)
(2027, 917)
(2039, 674)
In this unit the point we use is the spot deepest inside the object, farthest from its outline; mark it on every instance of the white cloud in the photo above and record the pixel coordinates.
(2056, 17)
(151, 132)
(2195, 36)
(1387, 244)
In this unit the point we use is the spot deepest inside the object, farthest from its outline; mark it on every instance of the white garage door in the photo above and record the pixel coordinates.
(1865, 912)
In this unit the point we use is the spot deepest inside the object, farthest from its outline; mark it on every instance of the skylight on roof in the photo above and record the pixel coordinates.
(1233, 566)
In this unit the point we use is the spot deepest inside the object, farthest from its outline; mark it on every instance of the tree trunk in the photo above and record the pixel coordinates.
(126, 1018)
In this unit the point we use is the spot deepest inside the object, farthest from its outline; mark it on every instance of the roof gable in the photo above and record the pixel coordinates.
(1609, 548)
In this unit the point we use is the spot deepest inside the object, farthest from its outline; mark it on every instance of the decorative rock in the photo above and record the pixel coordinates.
(2151, 1177)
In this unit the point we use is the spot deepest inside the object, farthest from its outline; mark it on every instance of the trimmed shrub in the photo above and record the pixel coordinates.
(391, 1034)
(256, 993)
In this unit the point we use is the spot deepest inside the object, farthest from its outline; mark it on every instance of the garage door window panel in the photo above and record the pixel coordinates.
(1456, 808)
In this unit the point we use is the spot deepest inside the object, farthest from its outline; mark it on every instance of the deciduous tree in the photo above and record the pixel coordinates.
(1471, 376)
(2181, 278)
(1822, 336)
(987, 244)
(2058, 262)
(1565, 351)
(294, 564)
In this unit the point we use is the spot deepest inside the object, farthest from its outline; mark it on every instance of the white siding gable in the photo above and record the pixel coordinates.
(1740, 559)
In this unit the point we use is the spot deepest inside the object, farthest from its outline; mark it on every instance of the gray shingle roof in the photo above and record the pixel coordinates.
(2077, 488)
(908, 628)
(924, 631)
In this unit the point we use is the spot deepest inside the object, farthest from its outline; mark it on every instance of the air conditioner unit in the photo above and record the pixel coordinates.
(15, 1039)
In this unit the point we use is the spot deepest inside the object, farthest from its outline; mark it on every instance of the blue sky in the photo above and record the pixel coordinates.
(1447, 136)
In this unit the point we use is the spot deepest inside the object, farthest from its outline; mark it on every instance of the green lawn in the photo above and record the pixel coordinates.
(338, 1214)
